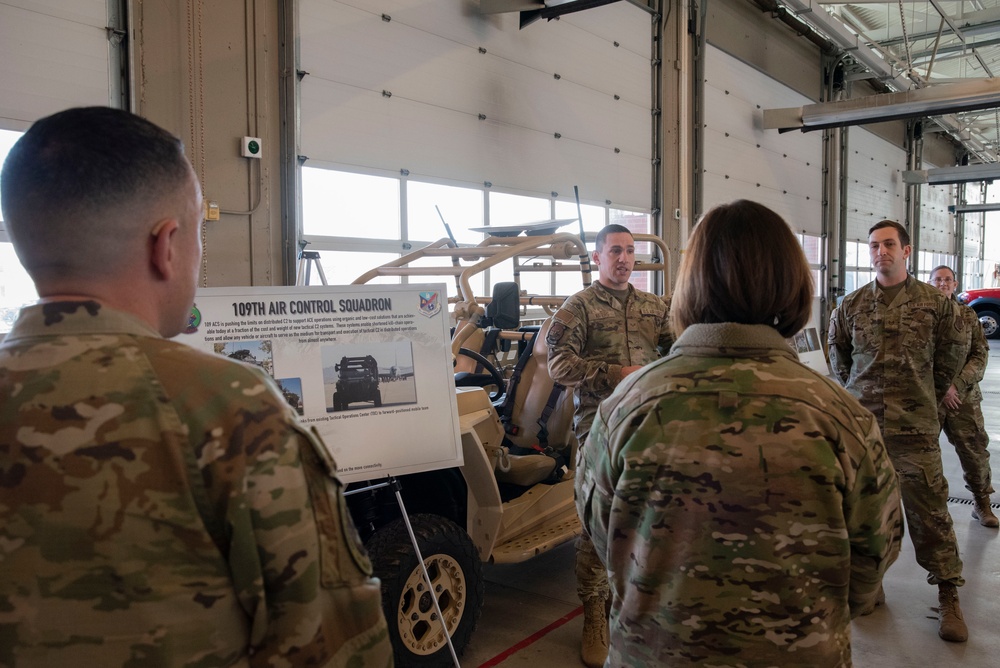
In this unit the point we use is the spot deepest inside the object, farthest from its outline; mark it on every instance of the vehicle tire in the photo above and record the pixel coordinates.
(454, 569)
(336, 403)
(991, 324)
(378, 399)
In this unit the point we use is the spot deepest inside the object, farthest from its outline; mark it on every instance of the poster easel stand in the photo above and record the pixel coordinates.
(393, 483)
(308, 260)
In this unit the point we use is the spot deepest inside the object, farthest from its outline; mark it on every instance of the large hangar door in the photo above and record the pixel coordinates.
(781, 171)
(744, 161)
(53, 55)
(875, 188)
(876, 191)
(444, 92)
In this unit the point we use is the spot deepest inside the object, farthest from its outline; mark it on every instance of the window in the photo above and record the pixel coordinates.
(16, 288)
(928, 260)
(460, 208)
(349, 205)
(357, 221)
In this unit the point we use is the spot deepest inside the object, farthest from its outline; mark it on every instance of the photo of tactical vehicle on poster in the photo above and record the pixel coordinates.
(363, 375)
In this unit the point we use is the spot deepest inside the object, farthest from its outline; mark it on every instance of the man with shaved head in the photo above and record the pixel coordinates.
(159, 506)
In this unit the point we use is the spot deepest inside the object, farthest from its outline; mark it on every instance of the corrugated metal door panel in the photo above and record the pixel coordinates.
(427, 55)
(54, 54)
(744, 161)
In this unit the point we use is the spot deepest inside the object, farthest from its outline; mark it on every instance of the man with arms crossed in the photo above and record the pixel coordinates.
(159, 506)
(598, 337)
(961, 415)
(896, 344)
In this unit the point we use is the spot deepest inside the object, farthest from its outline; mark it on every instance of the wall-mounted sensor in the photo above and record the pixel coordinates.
(250, 147)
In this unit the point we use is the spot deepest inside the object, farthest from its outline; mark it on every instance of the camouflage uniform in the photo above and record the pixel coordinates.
(592, 336)
(745, 505)
(964, 427)
(160, 506)
(899, 359)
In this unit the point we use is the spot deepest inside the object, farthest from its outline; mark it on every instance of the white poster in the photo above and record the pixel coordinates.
(807, 344)
(368, 365)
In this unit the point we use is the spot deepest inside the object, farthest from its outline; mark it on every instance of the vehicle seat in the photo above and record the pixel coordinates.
(474, 342)
(532, 395)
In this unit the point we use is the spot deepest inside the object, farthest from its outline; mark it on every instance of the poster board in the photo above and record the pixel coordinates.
(810, 349)
(369, 366)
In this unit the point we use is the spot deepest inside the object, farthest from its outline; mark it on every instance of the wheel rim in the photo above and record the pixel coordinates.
(419, 628)
(989, 325)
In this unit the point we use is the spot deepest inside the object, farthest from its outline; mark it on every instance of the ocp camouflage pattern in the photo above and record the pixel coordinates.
(978, 354)
(593, 335)
(898, 359)
(964, 426)
(744, 504)
(160, 506)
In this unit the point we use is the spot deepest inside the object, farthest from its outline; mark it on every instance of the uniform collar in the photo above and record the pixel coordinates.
(76, 318)
(733, 337)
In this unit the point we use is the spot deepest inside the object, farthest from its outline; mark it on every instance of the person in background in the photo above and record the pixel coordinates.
(159, 506)
(961, 415)
(744, 504)
(599, 336)
(897, 344)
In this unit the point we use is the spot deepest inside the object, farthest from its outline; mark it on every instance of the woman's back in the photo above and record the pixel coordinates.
(739, 488)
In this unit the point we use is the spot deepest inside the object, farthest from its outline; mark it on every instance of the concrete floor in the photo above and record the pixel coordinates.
(532, 616)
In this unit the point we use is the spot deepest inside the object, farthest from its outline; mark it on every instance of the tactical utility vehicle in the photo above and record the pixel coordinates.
(513, 497)
(357, 380)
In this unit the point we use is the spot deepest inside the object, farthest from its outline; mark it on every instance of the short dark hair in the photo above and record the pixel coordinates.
(743, 265)
(904, 236)
(76, 182)
(613, 228)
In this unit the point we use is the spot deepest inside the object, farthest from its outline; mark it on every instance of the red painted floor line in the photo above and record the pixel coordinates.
(507, 653)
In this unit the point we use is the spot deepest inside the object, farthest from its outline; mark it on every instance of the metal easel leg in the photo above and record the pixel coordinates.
(396, 487)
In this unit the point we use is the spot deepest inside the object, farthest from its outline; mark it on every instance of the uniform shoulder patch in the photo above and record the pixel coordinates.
(555, 333)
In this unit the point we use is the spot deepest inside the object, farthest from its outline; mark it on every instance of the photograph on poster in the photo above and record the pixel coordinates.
(291, 388)
(805, 341)
(366, 375)
(257, 353)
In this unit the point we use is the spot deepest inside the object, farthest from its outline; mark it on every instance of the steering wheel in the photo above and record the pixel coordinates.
(491, 377)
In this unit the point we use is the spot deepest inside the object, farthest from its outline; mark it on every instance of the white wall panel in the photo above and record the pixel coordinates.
(937, 226)
(875, 188)
(53, 55)
(744, 161)
(430, 57)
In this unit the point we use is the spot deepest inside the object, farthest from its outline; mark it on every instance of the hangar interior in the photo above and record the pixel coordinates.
(370, 114)
(376, 121)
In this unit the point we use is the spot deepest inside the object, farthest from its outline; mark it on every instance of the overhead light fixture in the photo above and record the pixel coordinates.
(931, 101)
(958, 174)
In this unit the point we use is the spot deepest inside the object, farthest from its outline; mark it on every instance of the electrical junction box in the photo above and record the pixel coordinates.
(250, 147)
